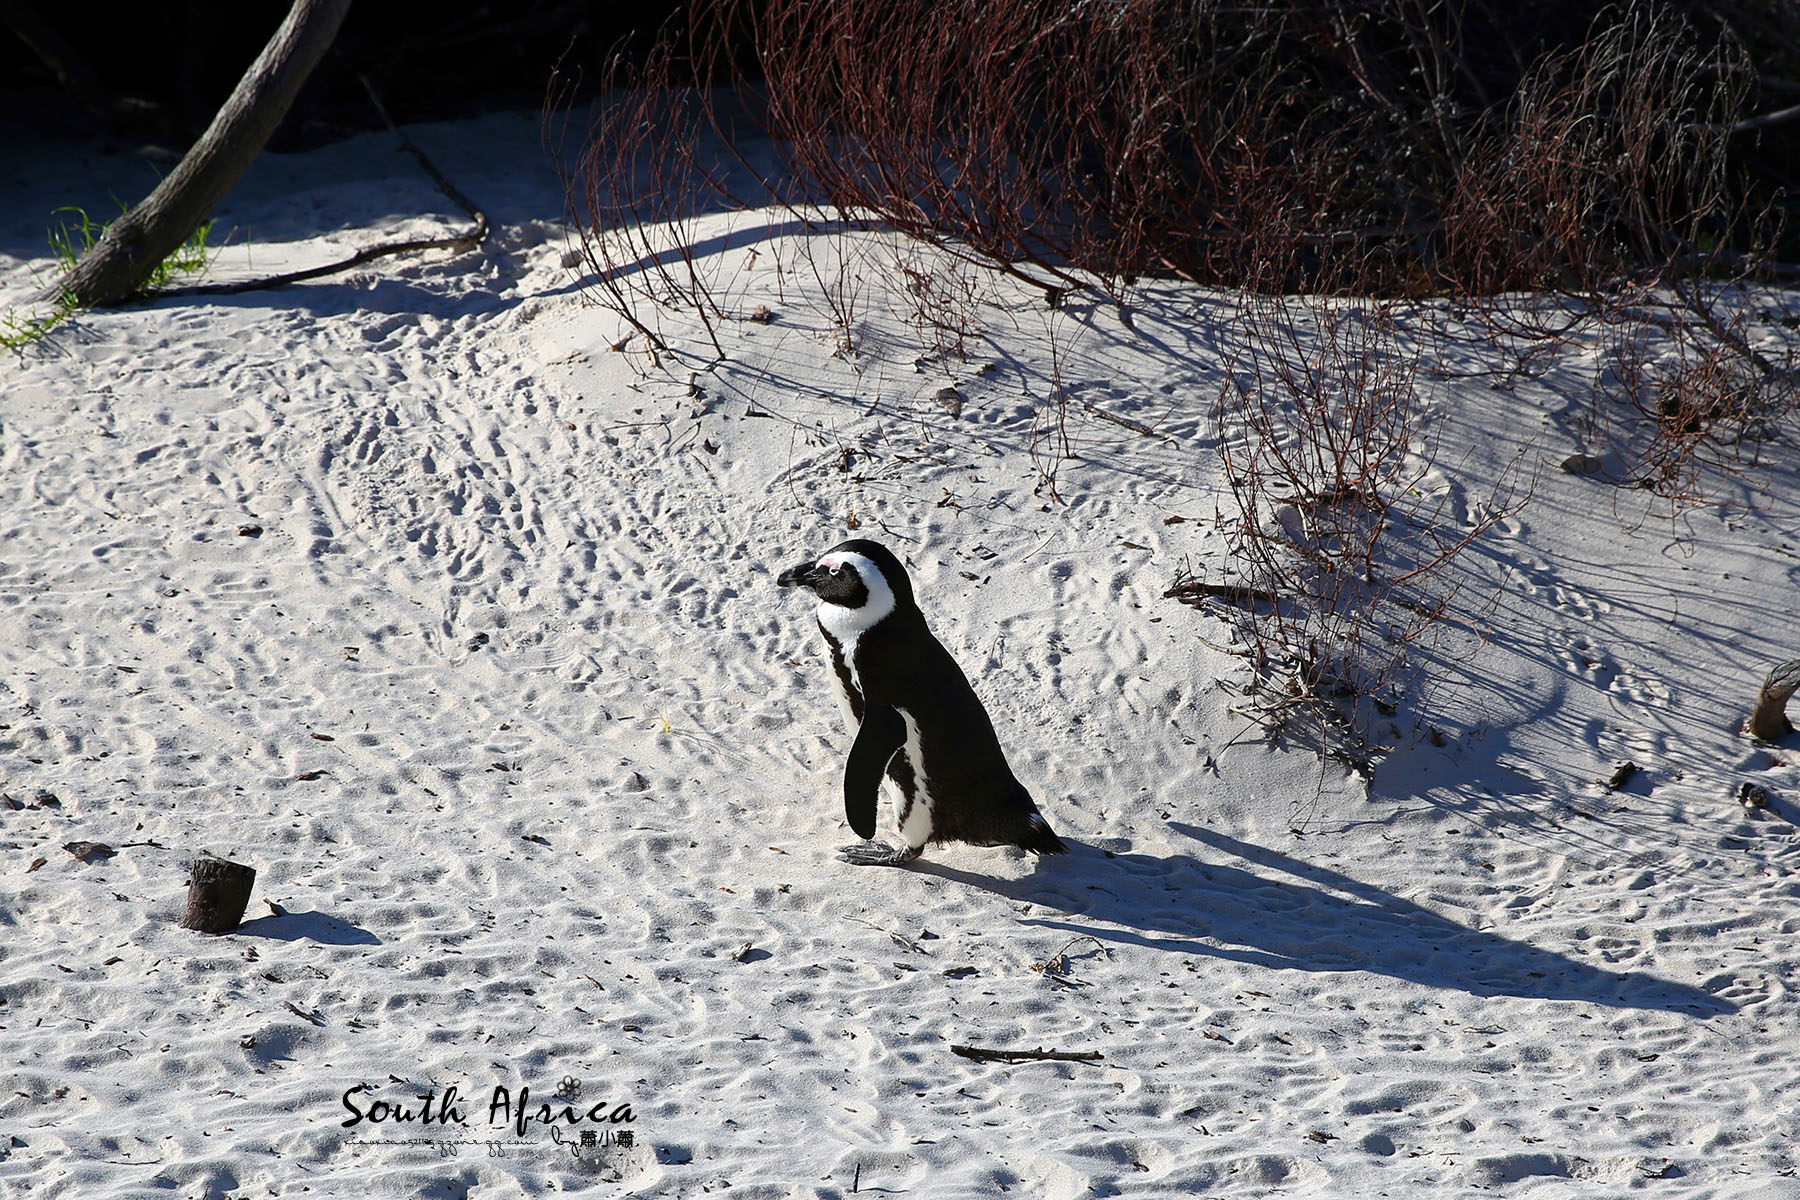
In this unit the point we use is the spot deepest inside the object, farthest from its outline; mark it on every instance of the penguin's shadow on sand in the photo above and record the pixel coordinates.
(1286, 914)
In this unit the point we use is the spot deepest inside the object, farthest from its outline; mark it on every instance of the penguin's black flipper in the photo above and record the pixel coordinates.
(881, 734)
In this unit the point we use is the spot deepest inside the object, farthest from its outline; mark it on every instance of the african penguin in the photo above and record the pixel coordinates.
(914, 716)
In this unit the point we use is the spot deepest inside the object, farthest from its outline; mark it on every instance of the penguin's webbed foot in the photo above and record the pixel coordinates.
(877, 854)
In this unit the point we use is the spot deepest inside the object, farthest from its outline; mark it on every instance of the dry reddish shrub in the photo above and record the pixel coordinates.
(1376, 148)
(1341, 525)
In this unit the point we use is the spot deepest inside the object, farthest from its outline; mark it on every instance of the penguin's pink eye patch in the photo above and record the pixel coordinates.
(831, 564)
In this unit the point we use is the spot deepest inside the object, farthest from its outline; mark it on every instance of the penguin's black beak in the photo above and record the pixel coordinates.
(807, 574)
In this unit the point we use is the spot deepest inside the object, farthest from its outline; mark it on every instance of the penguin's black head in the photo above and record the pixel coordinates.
(858, 575)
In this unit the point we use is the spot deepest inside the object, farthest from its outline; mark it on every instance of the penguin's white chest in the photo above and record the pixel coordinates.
(845, 627)
(840, 692)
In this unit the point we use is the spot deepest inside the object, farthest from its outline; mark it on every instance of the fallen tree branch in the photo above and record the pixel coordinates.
(474, 236)
(979, 1054)
(1764, 119)
(1189, 591)
(1016, 1056)
(479, 232)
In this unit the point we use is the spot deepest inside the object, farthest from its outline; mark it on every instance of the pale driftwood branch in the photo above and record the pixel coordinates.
(1137, 427)
(135, 244)
(1769, 721)
(979, 1054)
(1764, 119)
(473, 236)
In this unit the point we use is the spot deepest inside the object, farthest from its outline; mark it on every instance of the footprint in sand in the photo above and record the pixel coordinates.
(1742, 992)
(1577, 603)
(1641, 689)
(1581, 657)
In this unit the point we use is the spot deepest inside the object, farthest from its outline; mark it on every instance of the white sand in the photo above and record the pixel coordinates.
(506, 711)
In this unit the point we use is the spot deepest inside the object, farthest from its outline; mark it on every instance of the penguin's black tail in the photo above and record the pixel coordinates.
(1039, 837)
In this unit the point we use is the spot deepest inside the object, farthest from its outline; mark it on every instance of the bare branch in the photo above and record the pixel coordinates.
(981, 1054)
(467, 239)
(135, 244)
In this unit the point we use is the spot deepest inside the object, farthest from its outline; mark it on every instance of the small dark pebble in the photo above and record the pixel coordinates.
(249, 530)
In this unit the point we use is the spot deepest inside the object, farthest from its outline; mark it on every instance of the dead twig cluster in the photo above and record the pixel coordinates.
(1355, 147)
(1381, 152)
(1609, 192)
(1342, 522)
(639, 182)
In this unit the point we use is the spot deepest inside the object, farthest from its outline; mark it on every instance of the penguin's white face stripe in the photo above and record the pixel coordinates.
(845, 624)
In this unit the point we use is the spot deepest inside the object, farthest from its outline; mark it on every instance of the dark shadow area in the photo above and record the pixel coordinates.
(160, 71)
(1284, 914)
(319, 927)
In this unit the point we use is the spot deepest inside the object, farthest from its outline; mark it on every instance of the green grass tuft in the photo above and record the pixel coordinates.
(18, 332)
(73, 240)
(69, 242)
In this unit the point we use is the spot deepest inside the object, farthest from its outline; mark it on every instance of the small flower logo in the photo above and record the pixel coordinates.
(569, 1088)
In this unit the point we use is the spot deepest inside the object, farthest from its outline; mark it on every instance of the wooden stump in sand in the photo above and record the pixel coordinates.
(218, 890)
(1769, 722)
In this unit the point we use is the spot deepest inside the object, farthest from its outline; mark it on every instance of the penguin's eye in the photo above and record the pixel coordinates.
(832, 567)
